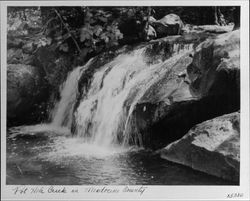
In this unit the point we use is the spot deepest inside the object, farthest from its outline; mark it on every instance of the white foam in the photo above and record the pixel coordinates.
(47, 129)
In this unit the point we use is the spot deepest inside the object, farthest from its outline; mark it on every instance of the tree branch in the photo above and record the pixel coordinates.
(60, 17)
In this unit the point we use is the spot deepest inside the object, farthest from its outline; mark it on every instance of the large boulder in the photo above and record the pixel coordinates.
(196, 88)
(216, 66)
(25, 90)
(170, 24)
(212, 147)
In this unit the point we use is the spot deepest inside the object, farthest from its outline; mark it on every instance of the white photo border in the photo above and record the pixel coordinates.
(159, 192)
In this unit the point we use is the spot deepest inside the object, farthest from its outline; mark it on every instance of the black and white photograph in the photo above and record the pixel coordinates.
(134, 96)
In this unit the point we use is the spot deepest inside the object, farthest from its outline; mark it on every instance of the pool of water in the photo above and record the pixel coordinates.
(58, 160)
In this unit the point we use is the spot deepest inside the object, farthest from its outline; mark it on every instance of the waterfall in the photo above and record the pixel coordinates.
(103, 115)
(63, 111)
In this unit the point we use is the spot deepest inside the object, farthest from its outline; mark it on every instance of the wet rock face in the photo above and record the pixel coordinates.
(197, 88)
(212, 147)
(25, 90)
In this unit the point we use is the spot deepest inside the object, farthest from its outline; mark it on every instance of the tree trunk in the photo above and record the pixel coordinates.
(216, 16)
(222, 20)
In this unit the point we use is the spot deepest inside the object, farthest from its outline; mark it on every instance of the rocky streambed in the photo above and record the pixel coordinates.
(179, 95)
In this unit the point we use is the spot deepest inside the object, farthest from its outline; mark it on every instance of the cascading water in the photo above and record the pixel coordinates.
(103, 115)
(63, 110)
(62, 113)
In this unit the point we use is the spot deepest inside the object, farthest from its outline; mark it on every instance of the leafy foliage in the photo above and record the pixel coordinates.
(83, 32)
(87, 31)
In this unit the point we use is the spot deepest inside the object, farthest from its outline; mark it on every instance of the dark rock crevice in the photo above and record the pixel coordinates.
(180, 118)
